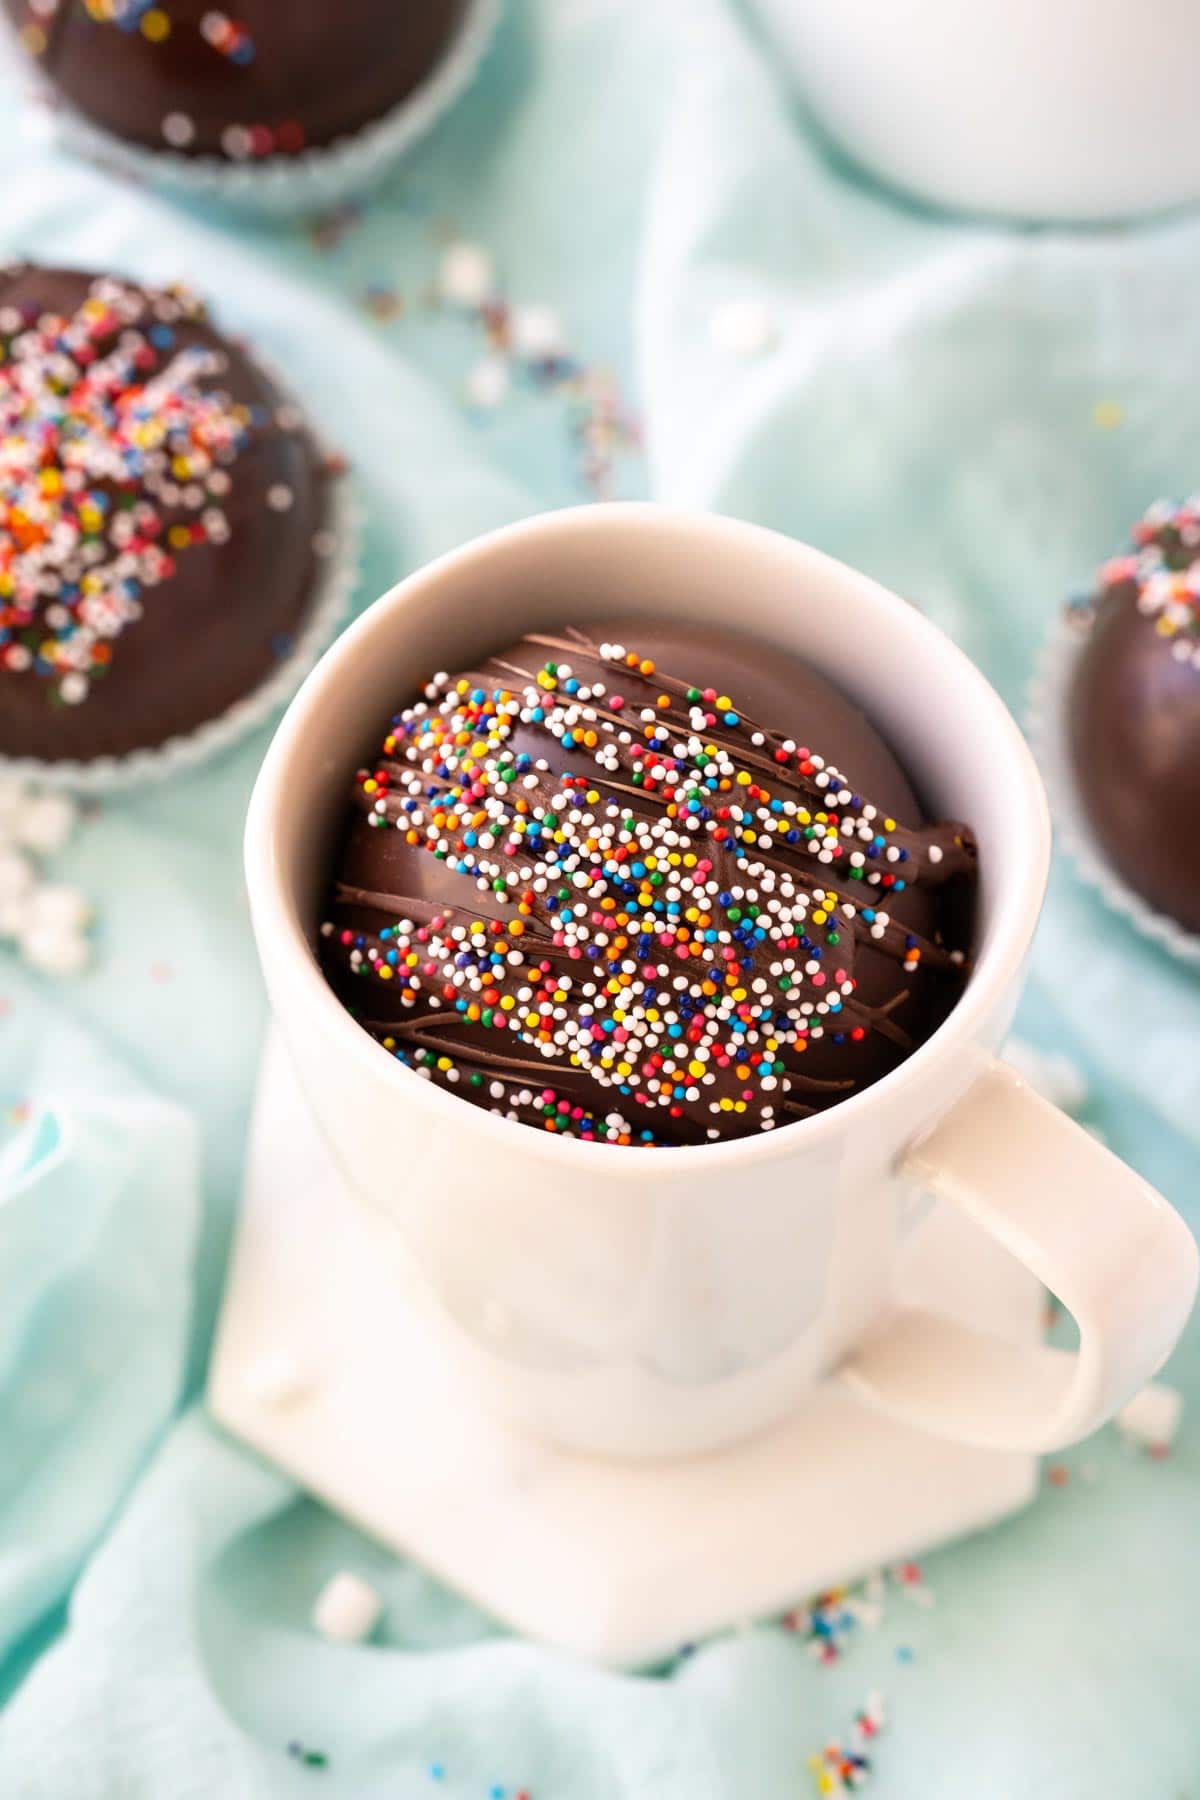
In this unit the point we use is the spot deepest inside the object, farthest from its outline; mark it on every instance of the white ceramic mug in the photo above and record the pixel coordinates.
(637, 1301)
(1040, 109)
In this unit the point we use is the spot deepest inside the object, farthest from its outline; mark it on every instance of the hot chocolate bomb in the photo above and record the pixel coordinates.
(275, 79)
(164, 517)
(1134, 712)
(611, 883)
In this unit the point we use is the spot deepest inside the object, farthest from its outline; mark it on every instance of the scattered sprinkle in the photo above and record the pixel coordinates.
(843, 1769)
(312, 1759)
(383, 302)
(529, 340)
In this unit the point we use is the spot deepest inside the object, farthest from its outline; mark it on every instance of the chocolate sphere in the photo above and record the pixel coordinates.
(163, 517)
(1134, 713)
(625, 894)
(280, 77)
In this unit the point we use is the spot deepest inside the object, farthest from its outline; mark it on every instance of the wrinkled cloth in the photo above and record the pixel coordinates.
(974, 415)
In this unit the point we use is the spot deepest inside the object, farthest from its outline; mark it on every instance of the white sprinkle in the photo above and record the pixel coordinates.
(178, 130)
(235, 142)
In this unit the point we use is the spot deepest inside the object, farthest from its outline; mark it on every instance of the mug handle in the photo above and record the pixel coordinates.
(1111, 1248)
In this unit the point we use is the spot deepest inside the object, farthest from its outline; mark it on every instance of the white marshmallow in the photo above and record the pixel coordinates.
(347, 1609)
(466, 276)
(1152, 1417)
(537, 333)
(16, 875)
(45, 823)
(14, 797)
(57, 907)
(54, 952)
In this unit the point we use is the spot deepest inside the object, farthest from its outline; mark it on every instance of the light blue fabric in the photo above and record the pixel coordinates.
(928, 412)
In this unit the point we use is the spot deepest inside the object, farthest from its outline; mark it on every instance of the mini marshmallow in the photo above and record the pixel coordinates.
(742, 328)
(1152, 1417)
(16, 875)
(347, 1609)
(16, 913)
(53, 951)
(58, 907)
(537, 333)
(466, 276)
(44, 823)
(14, 797)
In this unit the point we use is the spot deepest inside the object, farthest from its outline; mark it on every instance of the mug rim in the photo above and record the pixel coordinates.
(1000, 956)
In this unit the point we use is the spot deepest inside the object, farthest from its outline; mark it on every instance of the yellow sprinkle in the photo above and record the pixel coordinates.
(1107, 415)
(156, 25)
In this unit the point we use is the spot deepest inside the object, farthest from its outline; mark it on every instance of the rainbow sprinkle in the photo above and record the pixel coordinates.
(843, 1769)
(1163, 568)
(670, 911)
(114, 457)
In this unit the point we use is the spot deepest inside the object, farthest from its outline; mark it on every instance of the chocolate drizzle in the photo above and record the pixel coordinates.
(665, 907)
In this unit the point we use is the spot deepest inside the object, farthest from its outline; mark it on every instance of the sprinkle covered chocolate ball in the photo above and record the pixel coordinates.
(644, 884)
(270, 80)
(150, 576)
(1134, 712)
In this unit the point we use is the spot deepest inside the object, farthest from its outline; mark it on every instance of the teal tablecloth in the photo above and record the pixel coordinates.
(972, 414)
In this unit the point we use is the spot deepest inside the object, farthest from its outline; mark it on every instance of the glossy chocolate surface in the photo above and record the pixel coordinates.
(750, 996)
(163, 517)
(274, 78)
